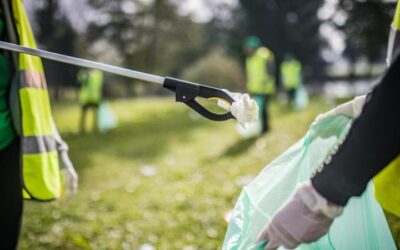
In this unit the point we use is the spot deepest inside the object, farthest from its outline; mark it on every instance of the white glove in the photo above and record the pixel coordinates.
(68, 172)
(304, 218)
(352, 109)
(244, 109)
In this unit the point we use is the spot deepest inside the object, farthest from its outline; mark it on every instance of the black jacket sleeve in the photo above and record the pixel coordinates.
(372, 143)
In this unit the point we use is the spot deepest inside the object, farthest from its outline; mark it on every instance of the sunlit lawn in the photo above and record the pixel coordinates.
(163, 179)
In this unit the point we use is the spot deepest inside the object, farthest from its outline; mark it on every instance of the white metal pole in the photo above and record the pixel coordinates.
(83, 63)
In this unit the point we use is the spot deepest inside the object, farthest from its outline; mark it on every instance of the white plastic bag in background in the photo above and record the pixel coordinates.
(106, 117)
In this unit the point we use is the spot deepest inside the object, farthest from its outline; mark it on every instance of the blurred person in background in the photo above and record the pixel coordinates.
(260, 74)
(291, 72)
(90, 95)
(31, 150)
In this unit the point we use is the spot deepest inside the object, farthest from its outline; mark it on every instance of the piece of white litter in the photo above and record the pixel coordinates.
(244, 109)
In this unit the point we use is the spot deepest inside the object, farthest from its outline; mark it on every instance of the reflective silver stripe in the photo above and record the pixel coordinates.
(393, 45)
(38, 144)
(32, 79)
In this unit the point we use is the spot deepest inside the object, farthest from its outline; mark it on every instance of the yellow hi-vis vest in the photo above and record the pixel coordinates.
(291, 74)
(92, 83)
(387, 182)
(32, 115)
(259, 80)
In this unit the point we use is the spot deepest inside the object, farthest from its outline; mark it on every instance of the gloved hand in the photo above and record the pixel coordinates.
(69, 175)
(352, 109)
(244, 109)
(305, 218)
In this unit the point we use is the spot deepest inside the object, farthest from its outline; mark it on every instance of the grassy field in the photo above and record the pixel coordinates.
(162, 180)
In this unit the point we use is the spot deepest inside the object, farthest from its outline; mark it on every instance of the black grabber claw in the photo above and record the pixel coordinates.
(187, 92)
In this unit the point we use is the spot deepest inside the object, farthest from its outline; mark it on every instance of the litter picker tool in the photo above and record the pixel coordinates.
(185, 92)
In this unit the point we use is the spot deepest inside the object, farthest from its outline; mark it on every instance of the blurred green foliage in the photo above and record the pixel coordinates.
(218, 69)
(154, 36)
(366, 27)
(55, 33)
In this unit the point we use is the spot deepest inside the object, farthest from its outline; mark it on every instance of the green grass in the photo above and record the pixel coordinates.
(200, 169)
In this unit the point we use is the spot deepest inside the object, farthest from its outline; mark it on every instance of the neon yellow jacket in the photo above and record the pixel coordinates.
(291, 72)
(259, 80)
(92, 83)
(31, 112)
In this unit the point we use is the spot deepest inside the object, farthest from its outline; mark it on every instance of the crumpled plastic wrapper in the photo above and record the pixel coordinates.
(244, 109)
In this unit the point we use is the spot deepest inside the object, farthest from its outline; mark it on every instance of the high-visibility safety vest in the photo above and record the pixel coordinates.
(92, 82)
(387, 182)
(30, 106)
(259, 80)
(291, 73)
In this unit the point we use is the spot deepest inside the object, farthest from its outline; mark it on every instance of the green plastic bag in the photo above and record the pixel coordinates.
(362, 224)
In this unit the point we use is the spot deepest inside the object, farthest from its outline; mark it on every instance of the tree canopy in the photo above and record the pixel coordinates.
(155, 37)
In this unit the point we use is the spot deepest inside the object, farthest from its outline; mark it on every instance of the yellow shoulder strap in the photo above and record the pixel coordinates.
(26, 38)
(396, 19)
(387, 187)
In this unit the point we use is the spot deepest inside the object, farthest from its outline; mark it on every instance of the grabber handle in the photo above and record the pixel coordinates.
(187, 92)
